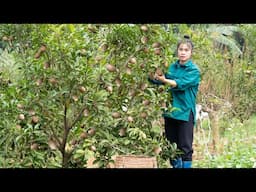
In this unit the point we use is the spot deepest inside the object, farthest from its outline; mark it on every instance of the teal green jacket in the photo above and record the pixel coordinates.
(187, 77)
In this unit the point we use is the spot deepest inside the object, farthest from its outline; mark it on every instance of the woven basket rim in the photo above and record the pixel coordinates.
(135, 161)
(139, 156)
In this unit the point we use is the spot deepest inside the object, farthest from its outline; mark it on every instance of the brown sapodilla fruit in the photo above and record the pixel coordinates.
(83, 135)
(5, 38)
(34, 146)
(144, 40)
(122, 132)
(53, 81)
(21, 116)
(35, 119)
(91, 131)
(110, 68)
(156, 45)
(146, 102)
(144, 28)
(109, 88)
(130, 119)
(133, 60)
(116, 114)
(46, 65)
(86, 112)
(42, 48)
(20, 106)
(157, 51)
(37, 55)
(157, 150)
(82, 89)
(118, 82)
(143, 115)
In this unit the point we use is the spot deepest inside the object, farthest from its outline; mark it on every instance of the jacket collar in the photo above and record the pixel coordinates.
(187, 64)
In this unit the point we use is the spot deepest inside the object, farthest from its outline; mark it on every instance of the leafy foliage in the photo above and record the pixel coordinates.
(63, 106)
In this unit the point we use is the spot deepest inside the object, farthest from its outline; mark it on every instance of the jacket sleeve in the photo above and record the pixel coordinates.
(190, 79)
(157, 82)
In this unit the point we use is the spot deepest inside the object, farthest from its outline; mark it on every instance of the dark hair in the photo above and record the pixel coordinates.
(186, 39)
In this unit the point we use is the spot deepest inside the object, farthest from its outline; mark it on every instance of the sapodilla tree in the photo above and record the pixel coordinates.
(88, 88)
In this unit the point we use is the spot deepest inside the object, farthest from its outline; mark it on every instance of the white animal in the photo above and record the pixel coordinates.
(200, 114)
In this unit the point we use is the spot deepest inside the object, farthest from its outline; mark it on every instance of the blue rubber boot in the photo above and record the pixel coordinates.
(176, 163)
(186, 164)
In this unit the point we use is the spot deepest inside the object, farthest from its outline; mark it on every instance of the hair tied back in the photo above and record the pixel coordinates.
(186, 37)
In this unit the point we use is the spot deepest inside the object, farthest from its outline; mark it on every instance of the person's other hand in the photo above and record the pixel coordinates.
(151, 75)
(159, 72)
(160, 77)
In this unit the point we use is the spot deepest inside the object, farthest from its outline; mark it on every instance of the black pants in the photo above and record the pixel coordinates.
(181, 133)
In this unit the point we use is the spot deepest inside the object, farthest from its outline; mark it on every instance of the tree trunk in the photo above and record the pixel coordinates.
(215, 128)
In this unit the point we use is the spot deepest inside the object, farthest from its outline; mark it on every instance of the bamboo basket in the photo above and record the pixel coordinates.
(134, 161)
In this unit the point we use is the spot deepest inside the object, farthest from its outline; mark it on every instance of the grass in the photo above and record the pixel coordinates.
(236, 147)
